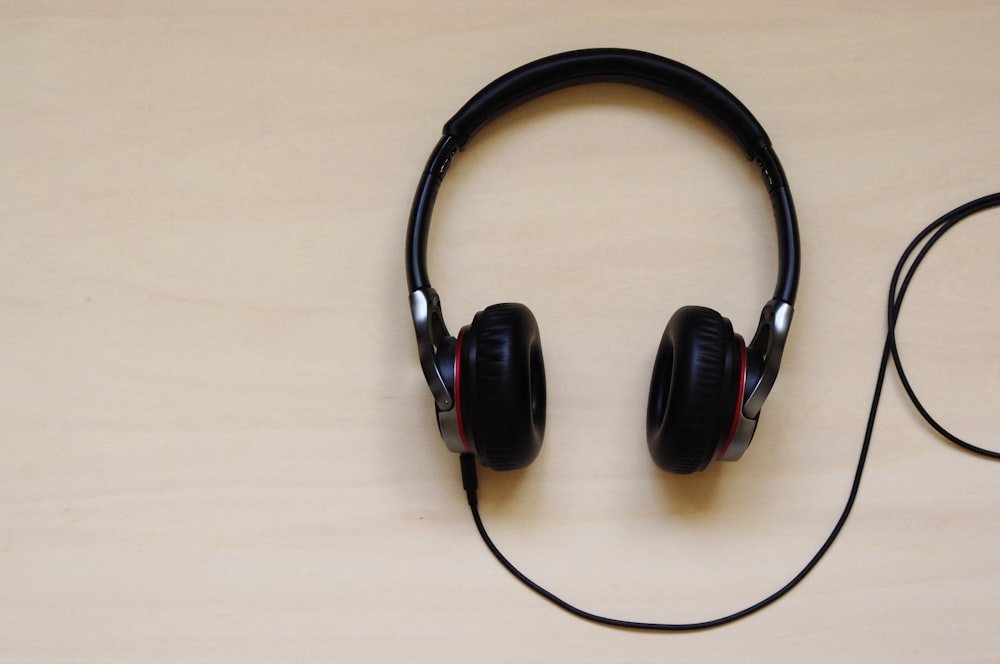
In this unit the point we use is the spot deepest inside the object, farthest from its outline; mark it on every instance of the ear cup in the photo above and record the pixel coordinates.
(694, 391)
(502, 386)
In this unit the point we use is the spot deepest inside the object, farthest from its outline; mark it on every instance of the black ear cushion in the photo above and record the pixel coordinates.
(694, 390)
(502, 386)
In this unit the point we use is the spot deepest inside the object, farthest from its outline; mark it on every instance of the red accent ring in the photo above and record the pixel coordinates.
(739, 399)
(458, 389)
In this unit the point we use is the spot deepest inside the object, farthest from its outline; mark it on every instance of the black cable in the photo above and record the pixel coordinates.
(939, 228)
(896, 293)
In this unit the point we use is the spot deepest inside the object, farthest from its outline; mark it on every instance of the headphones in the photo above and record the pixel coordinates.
(708, 386)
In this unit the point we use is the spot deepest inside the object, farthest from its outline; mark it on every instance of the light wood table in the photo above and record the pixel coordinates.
(215, 440)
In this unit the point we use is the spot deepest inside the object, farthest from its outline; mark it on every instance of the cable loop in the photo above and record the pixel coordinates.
(897, 291)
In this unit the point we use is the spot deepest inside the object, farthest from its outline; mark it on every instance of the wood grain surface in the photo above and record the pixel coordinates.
(215, 440)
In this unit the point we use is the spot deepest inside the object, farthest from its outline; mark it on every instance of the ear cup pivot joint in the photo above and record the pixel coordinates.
(769, 344)
(428, 323)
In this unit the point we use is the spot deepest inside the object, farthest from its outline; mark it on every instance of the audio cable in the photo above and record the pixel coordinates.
(897, 291)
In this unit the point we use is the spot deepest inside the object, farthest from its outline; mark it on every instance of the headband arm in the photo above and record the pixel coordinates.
(786, 223)
(420, 212)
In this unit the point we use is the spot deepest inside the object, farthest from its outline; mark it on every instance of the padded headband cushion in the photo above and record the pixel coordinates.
(610, 65)
(503, 386)
(693, 391)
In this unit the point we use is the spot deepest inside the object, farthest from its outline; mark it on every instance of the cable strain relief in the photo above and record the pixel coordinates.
(470, 480)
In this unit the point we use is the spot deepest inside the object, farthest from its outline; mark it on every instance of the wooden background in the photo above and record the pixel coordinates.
(215, 440)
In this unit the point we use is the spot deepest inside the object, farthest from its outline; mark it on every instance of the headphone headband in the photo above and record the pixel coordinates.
(609, 65)
(616, 66)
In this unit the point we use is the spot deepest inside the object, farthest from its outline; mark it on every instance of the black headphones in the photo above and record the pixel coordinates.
(708, 385)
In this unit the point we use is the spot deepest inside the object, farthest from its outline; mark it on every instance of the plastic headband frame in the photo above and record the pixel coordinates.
(605, 65)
